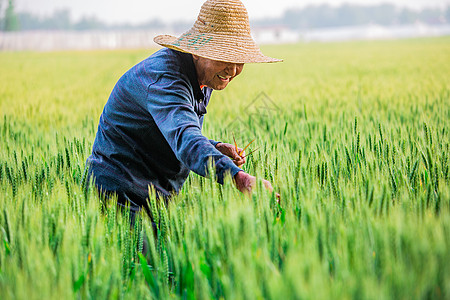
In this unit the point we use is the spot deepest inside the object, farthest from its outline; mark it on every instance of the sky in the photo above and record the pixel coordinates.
(137, 11)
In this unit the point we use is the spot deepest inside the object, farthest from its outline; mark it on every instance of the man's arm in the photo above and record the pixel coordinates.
(169, 103)
(213, 142)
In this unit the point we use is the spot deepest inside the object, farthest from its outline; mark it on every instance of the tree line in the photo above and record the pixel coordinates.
(61, 19)
(313, 16)
(320, 16)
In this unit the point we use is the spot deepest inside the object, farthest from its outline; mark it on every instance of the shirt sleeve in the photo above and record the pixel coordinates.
(213, 142)
(169, 103)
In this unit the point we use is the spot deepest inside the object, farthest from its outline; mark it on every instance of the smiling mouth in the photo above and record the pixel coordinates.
(226, 79)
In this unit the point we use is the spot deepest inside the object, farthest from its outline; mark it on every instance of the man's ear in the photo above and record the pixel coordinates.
(195, 57)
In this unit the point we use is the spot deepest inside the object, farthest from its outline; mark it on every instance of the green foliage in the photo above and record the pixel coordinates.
(357, 144)
(11, 22)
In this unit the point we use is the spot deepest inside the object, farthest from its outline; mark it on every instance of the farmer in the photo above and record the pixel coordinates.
(149, 133)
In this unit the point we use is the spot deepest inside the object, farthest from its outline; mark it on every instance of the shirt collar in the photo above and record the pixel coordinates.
(191, 73)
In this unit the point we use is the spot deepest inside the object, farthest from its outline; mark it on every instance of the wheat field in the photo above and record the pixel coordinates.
(354, 136)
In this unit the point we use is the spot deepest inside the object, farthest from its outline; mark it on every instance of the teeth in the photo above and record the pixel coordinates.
(221, 77)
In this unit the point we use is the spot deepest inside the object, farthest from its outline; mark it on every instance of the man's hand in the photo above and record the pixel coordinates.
(246, 182)
(230, 151)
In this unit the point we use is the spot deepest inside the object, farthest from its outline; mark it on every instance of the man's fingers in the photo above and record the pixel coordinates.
(268, 185)
(278, 197)
(239, 158)
(236, 154)
(239, 162)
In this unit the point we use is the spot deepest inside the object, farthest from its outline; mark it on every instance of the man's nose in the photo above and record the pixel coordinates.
(231, 70)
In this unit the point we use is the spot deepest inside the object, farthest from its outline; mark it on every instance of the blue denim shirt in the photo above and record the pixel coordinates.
(150, 130)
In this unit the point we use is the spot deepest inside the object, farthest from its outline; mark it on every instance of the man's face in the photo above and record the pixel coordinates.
(215, 74)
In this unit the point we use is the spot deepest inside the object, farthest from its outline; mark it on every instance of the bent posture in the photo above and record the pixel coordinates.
(149, 133)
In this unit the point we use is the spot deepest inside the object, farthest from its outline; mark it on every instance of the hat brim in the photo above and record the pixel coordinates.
(221, 47)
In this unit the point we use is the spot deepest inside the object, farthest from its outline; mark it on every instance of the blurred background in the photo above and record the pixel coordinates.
(48, 25)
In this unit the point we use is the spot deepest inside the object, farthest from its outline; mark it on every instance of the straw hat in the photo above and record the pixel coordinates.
(221, 32)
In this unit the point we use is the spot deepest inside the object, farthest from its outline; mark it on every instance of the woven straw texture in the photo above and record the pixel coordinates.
(221, 32)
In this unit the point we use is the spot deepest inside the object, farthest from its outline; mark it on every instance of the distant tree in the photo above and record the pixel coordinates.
(383, 14)
(407, 16)
(11, 22)
(59, 20)
(432, 16)
(347, 15)
(87, 23)
(28, 21)
(1, 15)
